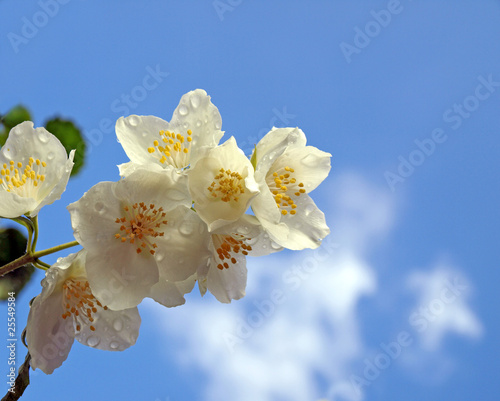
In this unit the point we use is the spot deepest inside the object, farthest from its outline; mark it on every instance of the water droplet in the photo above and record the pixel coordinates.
(62, 353)
(118, 324)
(195, 101)
(144, 134)
(9, 153)
(243, 230)
(159, 255)
(264, 246)
(309, 209)
(99, 207)
(218, 125)
(185, 125)
(186, 228)
(198, 123)
(274, 245)
(251, 241)
(133, 121)
(50, 156)
(183, 110)
(206, 119)
(16, 131)
(43, 136)
(93, 341)
(114, 345)
(310, 160)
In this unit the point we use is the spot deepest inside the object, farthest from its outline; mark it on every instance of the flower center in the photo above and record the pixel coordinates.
(79, 302)
(172, 149)
(227, 185)
(227, 246)
(140, 225)
(283, 185)
(22, 179)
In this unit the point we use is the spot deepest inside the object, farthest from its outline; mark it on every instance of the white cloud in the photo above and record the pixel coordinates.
(298, 327)
(442, 306)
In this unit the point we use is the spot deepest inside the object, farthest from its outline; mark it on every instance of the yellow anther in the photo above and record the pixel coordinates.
(151, 150)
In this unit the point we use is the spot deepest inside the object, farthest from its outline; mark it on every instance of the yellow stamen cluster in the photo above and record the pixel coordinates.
(172, 148)
(228, 245)
(22, 178)
(139, 224)
(79, 302)
(227, 185)
(282, 185)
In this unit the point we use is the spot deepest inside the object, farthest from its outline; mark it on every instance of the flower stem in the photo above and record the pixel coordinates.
(54, 249)
(30, 258)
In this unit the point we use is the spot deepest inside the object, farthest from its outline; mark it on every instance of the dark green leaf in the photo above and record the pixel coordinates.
(71, 138)
(15, 116)
(13, 246)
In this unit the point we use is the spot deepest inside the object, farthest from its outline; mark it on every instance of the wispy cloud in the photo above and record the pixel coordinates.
(297, 335)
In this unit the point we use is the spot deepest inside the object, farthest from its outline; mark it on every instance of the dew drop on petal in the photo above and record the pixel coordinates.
(218, 125)
(159, 255)
(144, 134)
(243, 230)
(186, 228)
(309, 209)
(195, 101)
(198, 123)
(251, 241)
(118, 324)
(183, 110)
(99, 207)
(9, 153)
(274, 245)
(50, 155)
(310, 160)
(114, 345)
(93, 341)
(43, 136)
(133, 121)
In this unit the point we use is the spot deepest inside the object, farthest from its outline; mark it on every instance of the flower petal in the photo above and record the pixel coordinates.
(272, 146)
(311, 165)
(228, 284)
(171, 294)
(185, 246)
(49, 336)
(136, 134)
(114, 330)
(307, 227)
(37, 152)
(119, 277)
(197, 113)
(222, 185)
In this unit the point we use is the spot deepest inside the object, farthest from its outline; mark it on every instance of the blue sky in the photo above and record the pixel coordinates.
(405, 95)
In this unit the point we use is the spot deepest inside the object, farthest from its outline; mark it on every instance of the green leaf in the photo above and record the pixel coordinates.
(15, 116)
(71, 138)
(13, 246)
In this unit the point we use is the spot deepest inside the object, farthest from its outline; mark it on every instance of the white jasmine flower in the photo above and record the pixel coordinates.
(222, 185)
(226, 274)
(34, 168)
(137, 231)
(149, 140)
(66, 309)
(287, 171)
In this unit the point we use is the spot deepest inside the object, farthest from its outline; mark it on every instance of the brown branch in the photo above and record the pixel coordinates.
(22, 381)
